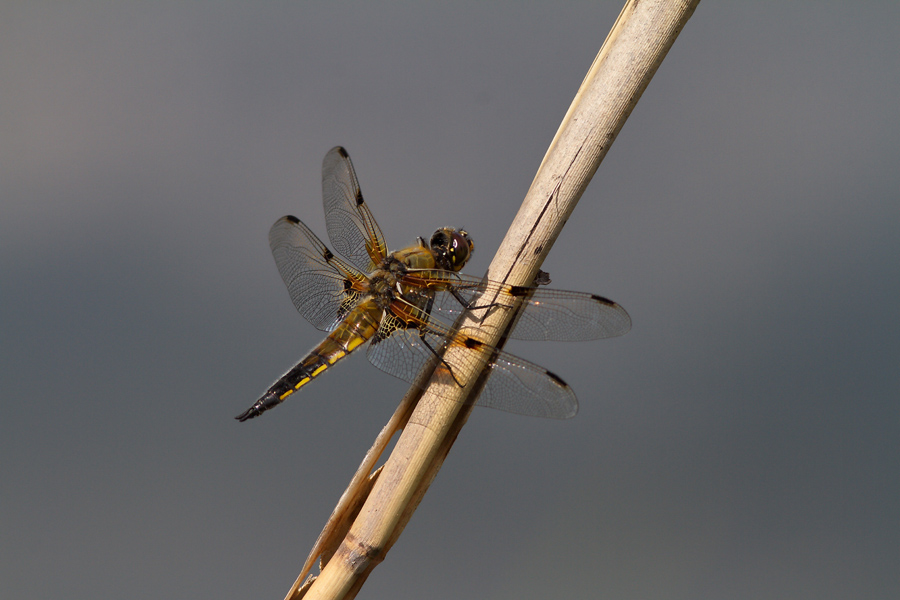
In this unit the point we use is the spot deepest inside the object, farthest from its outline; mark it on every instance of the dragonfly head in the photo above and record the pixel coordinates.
(452, 248)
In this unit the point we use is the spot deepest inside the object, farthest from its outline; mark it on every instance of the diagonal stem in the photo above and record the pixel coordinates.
(628, 59)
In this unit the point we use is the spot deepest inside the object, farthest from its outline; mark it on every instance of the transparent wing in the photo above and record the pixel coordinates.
(351, 227)
(322, 286)
(548, 315)
(514, 385)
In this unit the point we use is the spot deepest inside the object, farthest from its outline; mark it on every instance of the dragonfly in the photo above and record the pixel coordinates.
(404, 304)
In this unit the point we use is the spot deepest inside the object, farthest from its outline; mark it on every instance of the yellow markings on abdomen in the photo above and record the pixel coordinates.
(359, 327)
(338, 355)
(354, 343)
(296, 387)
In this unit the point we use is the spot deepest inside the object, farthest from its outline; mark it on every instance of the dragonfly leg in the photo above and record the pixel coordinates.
(439, 357)
(426, 310)
(470, 306)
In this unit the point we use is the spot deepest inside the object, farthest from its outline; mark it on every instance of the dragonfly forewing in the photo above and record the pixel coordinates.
(351, 227)
(546, 314)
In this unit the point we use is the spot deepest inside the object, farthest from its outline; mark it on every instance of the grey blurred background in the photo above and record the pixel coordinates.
(740, 442)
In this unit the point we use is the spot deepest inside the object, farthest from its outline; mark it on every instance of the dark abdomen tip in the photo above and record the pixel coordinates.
(259, 407)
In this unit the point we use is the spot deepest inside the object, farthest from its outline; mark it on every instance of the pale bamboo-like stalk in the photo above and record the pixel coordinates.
(374, 510)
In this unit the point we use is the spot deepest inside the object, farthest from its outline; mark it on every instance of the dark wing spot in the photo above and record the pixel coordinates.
(292, 219)
(557, 379)
(327, 255)
(518, 290)
(359, 198)
(473, 344)
(342, 152)
(603, 300)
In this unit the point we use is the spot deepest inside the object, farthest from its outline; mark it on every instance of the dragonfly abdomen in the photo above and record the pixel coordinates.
(357, 328)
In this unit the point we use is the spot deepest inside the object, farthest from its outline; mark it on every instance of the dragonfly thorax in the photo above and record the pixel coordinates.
(383, 285)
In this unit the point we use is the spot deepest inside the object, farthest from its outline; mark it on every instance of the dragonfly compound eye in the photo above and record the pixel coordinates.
(440, 240)
(461, 248)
